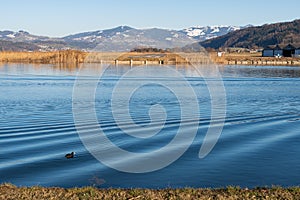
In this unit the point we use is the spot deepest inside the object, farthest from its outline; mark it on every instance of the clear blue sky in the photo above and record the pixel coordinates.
(63, 17)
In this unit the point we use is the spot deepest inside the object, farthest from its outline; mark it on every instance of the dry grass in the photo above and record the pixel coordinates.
(73, 56)
(252, 59)
(9, 191)
(68, 56)
(232, 56)
(97, 57)
(77, 57)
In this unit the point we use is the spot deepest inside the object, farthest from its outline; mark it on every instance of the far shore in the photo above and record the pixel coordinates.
(9, 191)
(253, 59)
(138, 58)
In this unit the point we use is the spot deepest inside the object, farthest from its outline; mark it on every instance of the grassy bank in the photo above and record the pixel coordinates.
(8, 191)
(252, 59)
(141, 58)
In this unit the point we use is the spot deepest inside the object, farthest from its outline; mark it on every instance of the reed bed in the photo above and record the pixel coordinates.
(9, 191)
(68, 56)
(77, 57)
(73, 56)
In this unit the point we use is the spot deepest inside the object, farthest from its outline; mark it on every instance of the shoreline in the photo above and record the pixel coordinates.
(137, 58)
(9, 191)
(255, 59)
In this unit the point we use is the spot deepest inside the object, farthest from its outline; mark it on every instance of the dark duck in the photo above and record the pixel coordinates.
(70, 155)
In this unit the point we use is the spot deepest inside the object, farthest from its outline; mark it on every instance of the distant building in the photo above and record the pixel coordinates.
(268, 52)
(288, 51)
(297, 52)
(279, 50)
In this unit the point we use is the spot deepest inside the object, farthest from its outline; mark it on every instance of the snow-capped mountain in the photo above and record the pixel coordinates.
(202, 33)
(122, 38)
(96, 36)
(125, 38)
(22, 36)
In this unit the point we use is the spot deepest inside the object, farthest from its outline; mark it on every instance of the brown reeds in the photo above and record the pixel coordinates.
(8, 191)
(77, 57)
(67, 56)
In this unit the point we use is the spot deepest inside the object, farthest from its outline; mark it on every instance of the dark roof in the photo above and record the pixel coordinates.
(289, 47)
(277, 47)
(282, 47)
(270, 47)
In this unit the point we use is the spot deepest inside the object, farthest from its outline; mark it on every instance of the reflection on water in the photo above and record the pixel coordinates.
(260, 71)
(118, 70)
(259, 144)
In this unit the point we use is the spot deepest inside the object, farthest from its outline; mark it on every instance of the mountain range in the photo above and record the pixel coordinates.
(122, 38)
(125, 38)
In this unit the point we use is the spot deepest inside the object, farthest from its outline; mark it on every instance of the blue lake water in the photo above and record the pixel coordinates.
(259, 144)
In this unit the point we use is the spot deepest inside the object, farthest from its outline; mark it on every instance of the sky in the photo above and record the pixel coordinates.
(58, 18)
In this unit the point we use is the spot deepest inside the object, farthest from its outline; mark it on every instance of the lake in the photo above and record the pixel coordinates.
(258, 146)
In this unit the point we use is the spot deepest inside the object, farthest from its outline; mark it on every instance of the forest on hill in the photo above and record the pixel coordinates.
(258, 36)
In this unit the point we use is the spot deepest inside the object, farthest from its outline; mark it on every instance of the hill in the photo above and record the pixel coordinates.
(258, 36)
(17, 46)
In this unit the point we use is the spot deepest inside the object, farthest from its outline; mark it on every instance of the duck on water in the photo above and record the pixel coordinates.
(70, 155)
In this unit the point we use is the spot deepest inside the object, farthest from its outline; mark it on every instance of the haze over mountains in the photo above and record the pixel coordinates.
(125, 38)
(122, 38)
